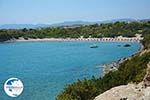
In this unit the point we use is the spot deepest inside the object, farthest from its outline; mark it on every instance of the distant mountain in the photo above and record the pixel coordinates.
(76, 23)
(21, 26)
(72, 23)
(143, 20)
(66, 23)
(120, 20)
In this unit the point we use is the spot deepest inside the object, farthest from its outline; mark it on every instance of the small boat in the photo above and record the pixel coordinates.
(119, 45)
(127, 45)
(94, 46)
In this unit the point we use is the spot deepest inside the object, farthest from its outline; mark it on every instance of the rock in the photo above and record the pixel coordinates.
(126, 92)
(131, 91)
(146, 79)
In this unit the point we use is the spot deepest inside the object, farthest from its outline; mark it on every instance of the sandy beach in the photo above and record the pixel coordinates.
(105, 39)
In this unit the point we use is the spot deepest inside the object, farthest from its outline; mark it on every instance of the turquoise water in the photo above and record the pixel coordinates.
(46, 67)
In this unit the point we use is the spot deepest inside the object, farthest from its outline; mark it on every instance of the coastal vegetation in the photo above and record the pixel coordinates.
(93, 31)
(146, 41)
(132, 70)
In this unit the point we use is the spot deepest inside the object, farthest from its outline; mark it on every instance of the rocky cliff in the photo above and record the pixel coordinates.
(131, 91)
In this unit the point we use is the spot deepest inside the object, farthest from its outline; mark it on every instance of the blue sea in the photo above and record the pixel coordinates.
(45, 68)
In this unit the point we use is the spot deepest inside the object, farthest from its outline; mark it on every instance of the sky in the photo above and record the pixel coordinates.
(54, 11)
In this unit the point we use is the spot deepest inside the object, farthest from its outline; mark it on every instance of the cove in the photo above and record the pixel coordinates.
(46, 67)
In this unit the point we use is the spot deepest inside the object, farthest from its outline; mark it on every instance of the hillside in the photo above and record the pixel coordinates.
(94, 31)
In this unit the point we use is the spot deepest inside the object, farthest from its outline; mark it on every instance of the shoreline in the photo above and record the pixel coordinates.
(104, 39)
(113, 66)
